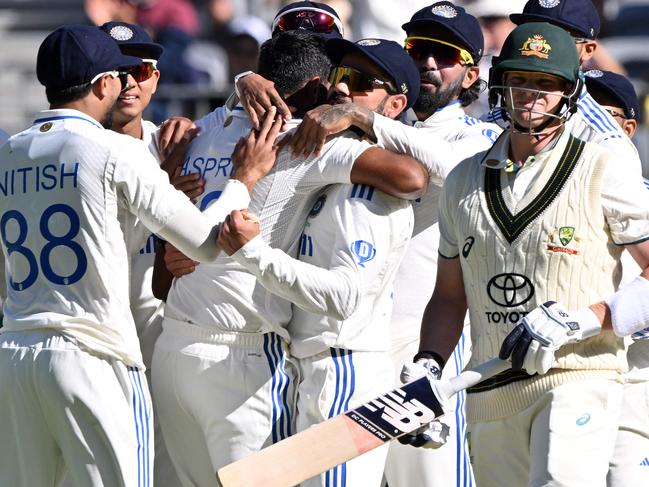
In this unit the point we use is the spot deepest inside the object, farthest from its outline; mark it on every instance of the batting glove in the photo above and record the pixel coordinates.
(423, 367)
(533, 342)
(434, 434)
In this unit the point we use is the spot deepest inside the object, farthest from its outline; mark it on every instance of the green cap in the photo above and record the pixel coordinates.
(537, 47)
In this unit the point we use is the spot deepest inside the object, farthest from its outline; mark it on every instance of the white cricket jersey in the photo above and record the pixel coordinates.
(592, 123)
(352, 244)
(142, 245)
(63, 182)
(213, 119)
(223, 295)
(446, 138)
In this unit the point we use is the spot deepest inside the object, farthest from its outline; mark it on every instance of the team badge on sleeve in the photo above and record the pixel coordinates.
(363, 251)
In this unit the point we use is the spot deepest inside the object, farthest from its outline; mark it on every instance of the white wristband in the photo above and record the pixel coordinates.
(588, 322)
(237, 78)
(630, 307)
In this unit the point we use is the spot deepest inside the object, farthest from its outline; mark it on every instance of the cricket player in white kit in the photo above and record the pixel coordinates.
(540, 217)
(223, 382)
(74, 395)
(350, 250)
(445, 43)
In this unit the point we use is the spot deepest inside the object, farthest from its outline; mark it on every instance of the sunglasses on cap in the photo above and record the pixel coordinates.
(357, 81)
(142, 71)
(313, 20)
(444, 52)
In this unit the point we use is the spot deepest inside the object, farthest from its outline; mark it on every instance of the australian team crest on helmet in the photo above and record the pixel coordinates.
(445, 11)
(536, 46)
(121, 33)
(549, 3)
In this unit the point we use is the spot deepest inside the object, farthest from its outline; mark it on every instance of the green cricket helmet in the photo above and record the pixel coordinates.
(538, 47)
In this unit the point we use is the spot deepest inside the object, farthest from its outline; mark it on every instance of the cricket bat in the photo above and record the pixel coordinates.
(344, 437)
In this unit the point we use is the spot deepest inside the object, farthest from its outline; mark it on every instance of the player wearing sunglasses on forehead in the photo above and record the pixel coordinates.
(313, 16)
(257, 94)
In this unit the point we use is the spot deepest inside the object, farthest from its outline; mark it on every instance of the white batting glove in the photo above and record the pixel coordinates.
(434, 434)
(533, 342)
(423, 367)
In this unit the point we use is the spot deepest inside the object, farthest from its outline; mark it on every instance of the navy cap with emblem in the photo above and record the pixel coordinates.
(131, 36)
(576, 16)
(453, 20)
(73, 55)
(616, 86)
(389, 56)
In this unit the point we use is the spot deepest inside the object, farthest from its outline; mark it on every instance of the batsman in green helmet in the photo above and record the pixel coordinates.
(536, 78)
(531, 234)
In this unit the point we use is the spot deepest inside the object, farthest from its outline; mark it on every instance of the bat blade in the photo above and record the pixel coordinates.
(344, 437)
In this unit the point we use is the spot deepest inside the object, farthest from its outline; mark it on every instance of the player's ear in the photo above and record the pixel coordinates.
(471, 76)
(395, 105)
(629, 126)
(587, 51)
(156, 78)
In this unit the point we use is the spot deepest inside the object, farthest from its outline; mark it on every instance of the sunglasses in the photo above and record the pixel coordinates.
(113, 74)
(307, 19)
(143, 71)
(445, 53)
(357, 81)
(615, 114)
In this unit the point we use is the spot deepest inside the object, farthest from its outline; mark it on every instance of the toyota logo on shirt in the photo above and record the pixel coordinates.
(510, 290)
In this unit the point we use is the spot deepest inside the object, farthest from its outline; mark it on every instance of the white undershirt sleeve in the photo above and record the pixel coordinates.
(333, 292)
(433, 152)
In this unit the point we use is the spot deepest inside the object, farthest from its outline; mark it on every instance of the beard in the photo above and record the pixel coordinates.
(107, 121)
(429, 102)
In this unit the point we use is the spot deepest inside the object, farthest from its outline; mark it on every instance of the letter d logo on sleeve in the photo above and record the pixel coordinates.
(364, 251)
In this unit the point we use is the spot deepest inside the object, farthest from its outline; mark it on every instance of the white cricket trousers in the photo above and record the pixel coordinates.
(62, 408)
(630, 463)
(336, 381)
(564, 439)
(220, 396)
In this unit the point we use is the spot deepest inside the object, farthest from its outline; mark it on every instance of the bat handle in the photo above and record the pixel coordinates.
(469, 378)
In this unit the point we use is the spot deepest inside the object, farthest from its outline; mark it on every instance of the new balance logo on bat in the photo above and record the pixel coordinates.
(399, 411)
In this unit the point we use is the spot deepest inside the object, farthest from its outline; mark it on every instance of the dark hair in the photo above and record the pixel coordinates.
(67, 95)
(291, 58)
(472, 93)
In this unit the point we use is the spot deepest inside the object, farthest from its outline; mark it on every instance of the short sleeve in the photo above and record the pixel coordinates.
(625, 202)
(448, 243)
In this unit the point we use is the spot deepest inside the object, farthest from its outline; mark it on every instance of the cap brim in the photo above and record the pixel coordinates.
(337, 48)
(154, 49)
(456, 34)
(128, 62)
(529, 67)
(519, 19)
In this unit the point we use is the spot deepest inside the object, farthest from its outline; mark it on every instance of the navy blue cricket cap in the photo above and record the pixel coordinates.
(577, 16)
(317, 7)
(452, 20)
(131, 36)
(388, 55)
(618, 87)
(74, 54)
